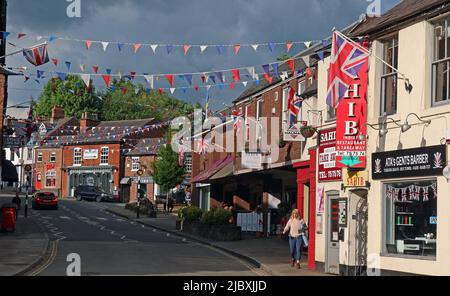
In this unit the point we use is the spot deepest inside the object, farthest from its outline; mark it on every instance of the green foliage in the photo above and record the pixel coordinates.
(166, 170)
(283, 57)
(123, 101)
(72, 94)
(190, 214)
(216, 216)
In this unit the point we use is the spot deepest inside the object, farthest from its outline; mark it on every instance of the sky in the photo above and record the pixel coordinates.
(170, 22)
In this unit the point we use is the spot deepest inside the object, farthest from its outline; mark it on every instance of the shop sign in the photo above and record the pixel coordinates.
(417, 162)
(50, 166)
(353, 178)
(351, 115)
(293, 133)
(328, 171)
(12, 142)
(342, 212)
(90, 154)
(252, 160)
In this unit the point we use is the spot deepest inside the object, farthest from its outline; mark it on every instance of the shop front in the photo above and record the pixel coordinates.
(413, 193)
(101, 177)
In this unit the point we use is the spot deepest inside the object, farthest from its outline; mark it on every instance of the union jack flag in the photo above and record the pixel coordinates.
(236, 116)
(180, 156)
(37, 55)
(295, 103)
(202, 146)
(347, 59)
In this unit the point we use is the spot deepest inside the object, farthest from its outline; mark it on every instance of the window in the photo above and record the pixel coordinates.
(53, 157)
(276, 96)
(411, 218)
(259, 114)
(441, 64)
(247, 123)
(77, 156)
(285, 106)
(50, 179)
(29, 153)
(301, 87)
(188, 163)
(39, 157)
(389, 78)
(12, 154)
(135, 164)
(104, 155)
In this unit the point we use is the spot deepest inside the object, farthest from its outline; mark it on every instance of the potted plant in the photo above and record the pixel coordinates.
(308, 131)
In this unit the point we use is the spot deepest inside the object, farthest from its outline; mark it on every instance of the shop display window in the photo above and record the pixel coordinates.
(411, 218)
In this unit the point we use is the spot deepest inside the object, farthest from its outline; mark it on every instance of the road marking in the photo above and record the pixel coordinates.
(65, 218)
(101, 218)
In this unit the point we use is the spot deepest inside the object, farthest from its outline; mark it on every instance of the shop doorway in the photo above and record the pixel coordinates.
(361, 219)
(332, 234)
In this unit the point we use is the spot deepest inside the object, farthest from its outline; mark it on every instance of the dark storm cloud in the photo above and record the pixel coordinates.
(178, 21)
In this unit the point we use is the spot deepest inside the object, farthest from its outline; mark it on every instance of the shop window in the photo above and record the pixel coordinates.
(50, 179)
(53, 157)
(135, 164)
(389, 78)
(39, 157)
(104, 156)
(411, 218)
(77, 154)
(441, 64)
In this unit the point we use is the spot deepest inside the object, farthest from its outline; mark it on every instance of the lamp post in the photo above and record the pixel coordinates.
(139, 173)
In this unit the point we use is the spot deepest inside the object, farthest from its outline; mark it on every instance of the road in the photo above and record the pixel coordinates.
(110, 245)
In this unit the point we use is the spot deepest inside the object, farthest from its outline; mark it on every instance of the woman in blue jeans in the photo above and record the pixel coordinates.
(296, 228)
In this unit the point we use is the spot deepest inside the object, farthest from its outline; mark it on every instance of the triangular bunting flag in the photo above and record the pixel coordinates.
(321, 55)
(170, 79)
(172, 90)
(271, 46)
(188, 78)
(203, 48)
(68, 65)
(108, 71)
(107, 79)
(244, 83)
(88, 44)
(95, 69)
(220, 76)
(150, 80)
(196, 88)
(5, 34)
(306, 60)
(266, 69)
(236, 75)
(275, 69)
(307, 44)
(21, 35)
(86, 79)
(55, 62)
(237, 47)
(136, 47)
(40, 74)
(120, 46)
(186, 48)
(232, 85)
(220, 49)
(61, 75)
(52, 38)
(82, 67)
(289, 46)
(291, 64)
(154, 47)
(105, 45)
(255, 47)
(169, 48)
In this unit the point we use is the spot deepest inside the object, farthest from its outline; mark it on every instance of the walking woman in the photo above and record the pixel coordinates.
(296, 228)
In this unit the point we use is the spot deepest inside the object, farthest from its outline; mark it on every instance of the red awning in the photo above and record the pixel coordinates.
(216, 167)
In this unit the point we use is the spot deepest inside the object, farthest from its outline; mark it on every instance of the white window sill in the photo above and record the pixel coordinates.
(413, 257)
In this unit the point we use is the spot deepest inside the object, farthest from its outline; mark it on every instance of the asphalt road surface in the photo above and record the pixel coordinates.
(110, 245)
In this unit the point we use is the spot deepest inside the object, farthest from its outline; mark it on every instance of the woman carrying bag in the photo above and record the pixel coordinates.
(296, 228)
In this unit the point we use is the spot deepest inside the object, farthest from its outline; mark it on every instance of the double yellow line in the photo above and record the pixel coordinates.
(49, 260)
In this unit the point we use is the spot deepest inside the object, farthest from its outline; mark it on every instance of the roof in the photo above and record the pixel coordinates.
(215, 168)
(407, 10)
(146, 146)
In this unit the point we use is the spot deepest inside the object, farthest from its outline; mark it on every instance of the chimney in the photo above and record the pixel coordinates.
(88, 120)
(57, 114)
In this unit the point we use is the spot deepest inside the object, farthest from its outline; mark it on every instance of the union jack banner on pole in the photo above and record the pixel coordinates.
(236, 116)
(295, 103)
(347, 59)
(37, 55)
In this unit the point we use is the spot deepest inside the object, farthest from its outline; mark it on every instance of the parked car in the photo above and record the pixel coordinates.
(92, 193)
(44, 200)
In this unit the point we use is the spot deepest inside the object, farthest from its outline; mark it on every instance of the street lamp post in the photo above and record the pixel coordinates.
(139, 173)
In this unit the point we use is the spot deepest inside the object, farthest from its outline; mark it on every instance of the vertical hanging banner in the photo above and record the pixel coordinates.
(347, 92)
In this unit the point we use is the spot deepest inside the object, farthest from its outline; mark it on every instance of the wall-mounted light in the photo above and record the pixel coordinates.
(406, 126)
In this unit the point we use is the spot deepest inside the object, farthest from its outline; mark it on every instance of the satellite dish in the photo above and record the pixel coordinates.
(447, 172)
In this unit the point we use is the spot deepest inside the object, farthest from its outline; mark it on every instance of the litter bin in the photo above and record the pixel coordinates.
(9, 217)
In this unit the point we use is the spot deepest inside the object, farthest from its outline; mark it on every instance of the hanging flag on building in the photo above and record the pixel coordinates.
(347, 91)
(37, 55)
(295, 103)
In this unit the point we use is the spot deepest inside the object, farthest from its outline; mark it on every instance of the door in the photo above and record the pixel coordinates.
(332, 258)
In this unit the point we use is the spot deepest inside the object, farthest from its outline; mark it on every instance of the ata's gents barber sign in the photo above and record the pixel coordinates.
(347, 91)
(418, 162)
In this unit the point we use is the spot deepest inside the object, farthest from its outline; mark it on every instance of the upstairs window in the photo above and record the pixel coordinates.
(441, 62)
(29, 153)
(135, 164)
(39, 157)
(188, 163)
(77, 157)
(389, 78)
(104, 156)
(53, 157)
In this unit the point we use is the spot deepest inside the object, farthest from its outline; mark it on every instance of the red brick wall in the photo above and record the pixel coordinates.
(114, 160)
(44, 166)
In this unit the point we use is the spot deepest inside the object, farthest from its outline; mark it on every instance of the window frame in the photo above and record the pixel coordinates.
(135, 168)
(437, 61)
(52, 157)
(51, 173)
(76, 157)
(393, 42)
(40, 157)
(187, 163)
(104, 156)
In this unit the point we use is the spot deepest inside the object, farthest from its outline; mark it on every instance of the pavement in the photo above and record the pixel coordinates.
(269, 254)
(23, 249)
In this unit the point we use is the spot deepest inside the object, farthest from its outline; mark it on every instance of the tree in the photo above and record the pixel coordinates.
(166, 170)
(283, 57)
(126, 100)
(71, 93)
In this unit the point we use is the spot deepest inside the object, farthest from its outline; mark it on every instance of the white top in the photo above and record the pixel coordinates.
(295, 227)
